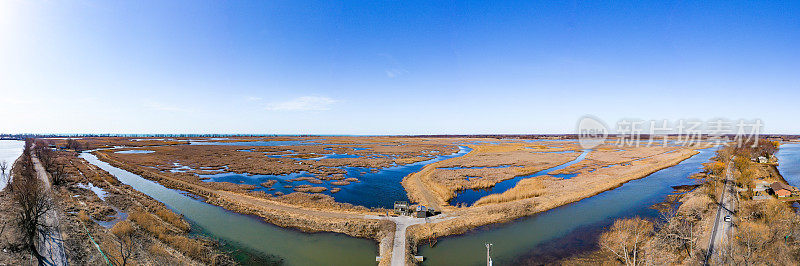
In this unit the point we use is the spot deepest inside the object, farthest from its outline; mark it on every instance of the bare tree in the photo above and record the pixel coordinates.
(74, 145)
(626, 239)
(678, 234)
(58, 174)
(125, 240)
(32, 202)
(749, 245)
(3, 167)
(46, 155)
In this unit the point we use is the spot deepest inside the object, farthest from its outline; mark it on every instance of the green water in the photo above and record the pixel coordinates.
(249, 235)
(562, 231)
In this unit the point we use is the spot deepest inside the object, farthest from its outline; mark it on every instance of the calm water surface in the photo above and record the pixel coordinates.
(567, 229)
(470, 196)
(373, 189)
(10, 150)
(249, 233)
(789, 163)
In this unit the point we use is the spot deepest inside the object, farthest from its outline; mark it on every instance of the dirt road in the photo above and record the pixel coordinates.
(51, 244)
(722, 229)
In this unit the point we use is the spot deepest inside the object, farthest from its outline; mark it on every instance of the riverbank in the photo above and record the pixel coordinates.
(719, 223)
(102, 220)
(316, 214)
(577, 188)
(95, 203)
(606, 170)
(483, 167)
(565, 230)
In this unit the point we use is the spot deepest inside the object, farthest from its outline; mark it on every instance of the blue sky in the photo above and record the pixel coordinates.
(402, 67)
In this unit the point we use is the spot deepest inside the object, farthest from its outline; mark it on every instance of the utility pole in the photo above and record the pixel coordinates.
(488, 257)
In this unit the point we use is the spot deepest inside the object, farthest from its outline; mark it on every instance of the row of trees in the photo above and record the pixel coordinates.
(674, 238)
(124, 237)
(30, 201)
(766, 231)
(74, 145)
(49, 160)
(754, 148)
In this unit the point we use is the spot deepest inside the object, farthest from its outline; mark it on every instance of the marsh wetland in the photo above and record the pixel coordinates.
(273, 199)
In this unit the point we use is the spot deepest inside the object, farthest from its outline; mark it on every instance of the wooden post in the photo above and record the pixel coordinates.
(488, 257)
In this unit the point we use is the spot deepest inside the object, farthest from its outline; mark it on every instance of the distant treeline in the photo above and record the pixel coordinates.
(24, 136)
(501, 136)
(498, 136)
(575, 136)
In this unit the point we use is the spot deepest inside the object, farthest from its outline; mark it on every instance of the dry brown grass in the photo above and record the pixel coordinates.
(147, 221)
(516, 202)
(309, 188)
(379, 153)
(191, 247)
(310, 179)
(434, 187)
(309, 212)
(158, 250)
(172, 218)
(627, 165)
(526, 188)
(106, 142)
(269, 183)
(83, 216)
(82, 206)
(172, 236)
(340, 183)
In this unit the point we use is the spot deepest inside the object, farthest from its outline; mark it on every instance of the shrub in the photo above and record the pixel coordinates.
(148, 222)
(83, 216)
(191, 247)
(173, 218)
(157, 249)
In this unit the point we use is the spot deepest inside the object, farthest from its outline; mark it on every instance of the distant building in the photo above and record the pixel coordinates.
(401, 207)
(762, 159)
(783, 190)
(421, 212)
(760, 190)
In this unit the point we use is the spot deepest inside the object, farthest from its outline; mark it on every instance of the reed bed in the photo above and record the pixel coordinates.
(543, 193)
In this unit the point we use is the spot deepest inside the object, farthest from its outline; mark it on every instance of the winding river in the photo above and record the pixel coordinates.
(255, 241)
(545, 235)
(562, 231)
(470, 196)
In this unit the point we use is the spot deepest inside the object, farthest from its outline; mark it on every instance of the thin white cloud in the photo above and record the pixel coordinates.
(395, 72)
(305, 103)
(393, 67)
(254, 99)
